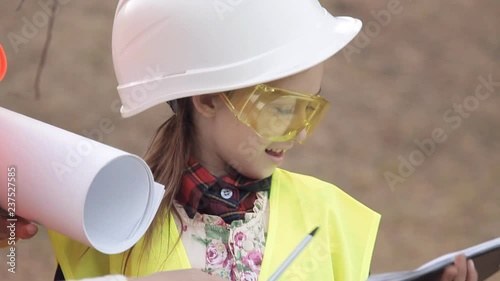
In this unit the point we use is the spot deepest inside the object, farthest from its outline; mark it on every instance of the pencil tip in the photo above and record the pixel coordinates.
(314, 231)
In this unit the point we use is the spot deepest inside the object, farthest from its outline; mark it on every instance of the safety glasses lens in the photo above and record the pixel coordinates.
(275, 114)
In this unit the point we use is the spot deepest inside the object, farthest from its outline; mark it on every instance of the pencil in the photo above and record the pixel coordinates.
(293, 255)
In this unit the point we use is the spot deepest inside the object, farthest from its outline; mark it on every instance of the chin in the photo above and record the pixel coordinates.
(257, 173)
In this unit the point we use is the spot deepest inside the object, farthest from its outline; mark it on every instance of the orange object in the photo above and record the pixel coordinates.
(3, 63)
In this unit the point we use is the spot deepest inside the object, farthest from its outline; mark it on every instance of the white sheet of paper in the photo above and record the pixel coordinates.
(93, 193)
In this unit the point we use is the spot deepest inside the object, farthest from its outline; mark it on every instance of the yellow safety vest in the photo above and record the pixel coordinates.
(341, 250)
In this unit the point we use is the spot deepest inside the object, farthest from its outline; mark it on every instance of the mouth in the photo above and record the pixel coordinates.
(277, 155)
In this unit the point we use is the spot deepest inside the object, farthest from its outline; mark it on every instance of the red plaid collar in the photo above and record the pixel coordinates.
(228, 197)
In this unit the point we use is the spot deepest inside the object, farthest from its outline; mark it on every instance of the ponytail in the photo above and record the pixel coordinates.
(167, 156)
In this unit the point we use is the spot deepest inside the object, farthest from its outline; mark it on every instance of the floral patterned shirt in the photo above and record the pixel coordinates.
(231, 251)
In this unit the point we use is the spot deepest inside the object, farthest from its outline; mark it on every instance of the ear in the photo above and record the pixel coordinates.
(206, 105)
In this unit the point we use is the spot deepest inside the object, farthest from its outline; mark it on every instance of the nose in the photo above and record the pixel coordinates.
(301, 136)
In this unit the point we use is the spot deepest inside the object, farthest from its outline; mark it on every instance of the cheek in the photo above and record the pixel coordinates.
(237, 142)
(246, 145)
(248, 156)
(240, 147)
(230, 130)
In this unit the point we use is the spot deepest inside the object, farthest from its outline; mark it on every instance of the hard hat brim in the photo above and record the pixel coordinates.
(305, 52)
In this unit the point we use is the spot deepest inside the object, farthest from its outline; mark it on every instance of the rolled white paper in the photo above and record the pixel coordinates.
(93, 193)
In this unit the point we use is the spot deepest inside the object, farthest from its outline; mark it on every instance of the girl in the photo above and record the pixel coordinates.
(243, 80)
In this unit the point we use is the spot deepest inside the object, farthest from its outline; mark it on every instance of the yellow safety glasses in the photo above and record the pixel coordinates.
(276, 114)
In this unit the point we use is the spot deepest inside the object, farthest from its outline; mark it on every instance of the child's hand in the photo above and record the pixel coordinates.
(23, 229)
(462, 270)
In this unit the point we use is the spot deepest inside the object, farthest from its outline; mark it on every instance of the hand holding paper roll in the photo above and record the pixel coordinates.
(93, 193)
(24, 230)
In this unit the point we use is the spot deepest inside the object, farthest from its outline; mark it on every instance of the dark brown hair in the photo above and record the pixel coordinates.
(167, 156)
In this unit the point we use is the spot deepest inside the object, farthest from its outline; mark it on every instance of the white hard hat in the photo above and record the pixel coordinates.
(169, 49)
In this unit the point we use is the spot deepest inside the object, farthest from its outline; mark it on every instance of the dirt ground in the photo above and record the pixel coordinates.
(395, 87)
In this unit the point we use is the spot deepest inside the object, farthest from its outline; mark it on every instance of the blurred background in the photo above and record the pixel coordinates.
(408, 73)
